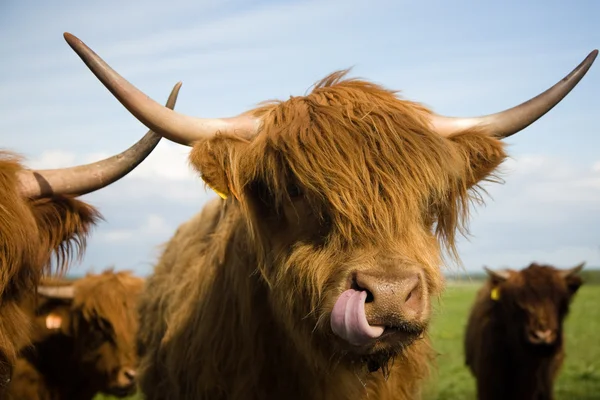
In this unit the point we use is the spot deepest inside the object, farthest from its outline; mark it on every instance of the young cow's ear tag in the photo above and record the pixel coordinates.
(495, 294)
(53, 321)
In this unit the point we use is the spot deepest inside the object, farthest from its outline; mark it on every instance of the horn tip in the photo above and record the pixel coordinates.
(71, 39)
(592, 56)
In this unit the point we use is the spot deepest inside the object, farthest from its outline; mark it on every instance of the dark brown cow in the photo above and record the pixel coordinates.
(312, 278)
(514, 342)
(84, 340)
(40, 217)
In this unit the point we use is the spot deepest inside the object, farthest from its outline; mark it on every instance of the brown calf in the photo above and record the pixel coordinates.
(514, 343)
(84, 339)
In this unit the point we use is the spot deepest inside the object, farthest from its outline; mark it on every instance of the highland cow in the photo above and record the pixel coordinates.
(312, 277)
(514, 341)
(41, 221)
(83, 341)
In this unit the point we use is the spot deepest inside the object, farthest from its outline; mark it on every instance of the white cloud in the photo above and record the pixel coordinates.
(53, 159)
(116, 235)
(167, 161)
(548, 210)
(547, 188)
(154, 226)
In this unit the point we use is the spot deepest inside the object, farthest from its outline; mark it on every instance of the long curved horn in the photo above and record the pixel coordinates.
(513, 120)
(174, 126)
(87, 178)
(57, 292)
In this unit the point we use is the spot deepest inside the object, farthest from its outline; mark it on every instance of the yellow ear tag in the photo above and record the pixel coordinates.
(495, 294)
(221, 195)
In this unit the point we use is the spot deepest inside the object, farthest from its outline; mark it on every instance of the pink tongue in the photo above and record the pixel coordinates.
(348, 319)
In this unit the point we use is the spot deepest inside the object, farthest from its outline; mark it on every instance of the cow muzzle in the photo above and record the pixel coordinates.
(541, 336)
(125, 384)
(392, 307)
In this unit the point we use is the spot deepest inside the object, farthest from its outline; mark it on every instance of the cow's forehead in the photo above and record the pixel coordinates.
(374, 173)
(539, 285)
(353, 130)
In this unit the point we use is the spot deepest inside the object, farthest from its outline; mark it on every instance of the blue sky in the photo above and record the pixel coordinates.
(460, 58)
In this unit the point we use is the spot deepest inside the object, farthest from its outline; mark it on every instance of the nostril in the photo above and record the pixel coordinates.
(354, 285)
(129, 374)
(543, 334)
(404, 293)
(534, 333)
(413, 298)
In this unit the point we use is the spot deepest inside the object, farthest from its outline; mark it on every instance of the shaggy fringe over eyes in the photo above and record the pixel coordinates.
(64, 224)
(371, 159)
(34, 231)
(109, 297)
(539, 283)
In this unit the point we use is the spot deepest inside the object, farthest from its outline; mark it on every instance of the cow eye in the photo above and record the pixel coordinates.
(293, 190)
(95, 338)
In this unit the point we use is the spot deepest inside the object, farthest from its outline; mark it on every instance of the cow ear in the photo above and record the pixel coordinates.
(572, 278)
(55, 312)
(498, 276)
(215, 159)
(481, 155)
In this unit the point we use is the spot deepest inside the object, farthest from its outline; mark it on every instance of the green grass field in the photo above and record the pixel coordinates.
(579, 378)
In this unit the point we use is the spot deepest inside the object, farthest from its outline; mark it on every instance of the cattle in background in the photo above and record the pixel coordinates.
(42, 222)
(84, 339)
(312, 277)
(514, 342)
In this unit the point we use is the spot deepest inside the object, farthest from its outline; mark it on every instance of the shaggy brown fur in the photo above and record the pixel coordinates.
(30, 233)
(498, 346)
(347, 178)
(90, 350)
